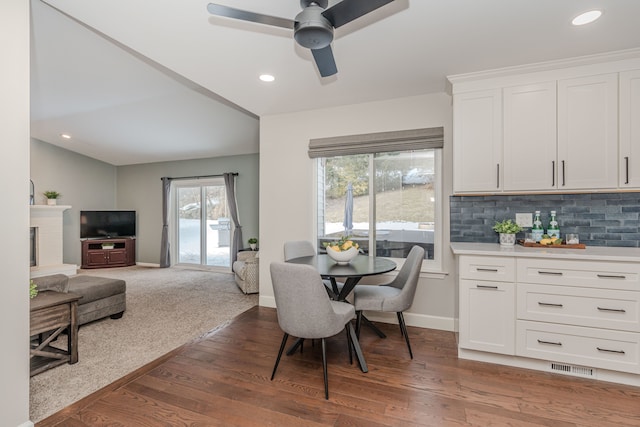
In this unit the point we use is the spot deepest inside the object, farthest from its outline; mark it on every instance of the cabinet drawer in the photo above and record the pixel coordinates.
(594, 274)
(599, 308)
(501, 269)
(615, 350)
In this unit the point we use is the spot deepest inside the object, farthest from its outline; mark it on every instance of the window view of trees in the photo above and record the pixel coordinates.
(403, 200)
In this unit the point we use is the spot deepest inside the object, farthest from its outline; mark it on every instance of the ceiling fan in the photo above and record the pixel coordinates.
(313, 27)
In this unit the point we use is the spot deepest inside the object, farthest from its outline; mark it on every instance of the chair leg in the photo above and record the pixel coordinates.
(284, 342)
(403, 330)
(324, 370)
(346, 329)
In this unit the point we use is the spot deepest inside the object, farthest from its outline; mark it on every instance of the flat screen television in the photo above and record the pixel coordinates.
(107, 224)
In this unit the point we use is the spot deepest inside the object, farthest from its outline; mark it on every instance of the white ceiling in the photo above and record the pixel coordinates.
(147, 81)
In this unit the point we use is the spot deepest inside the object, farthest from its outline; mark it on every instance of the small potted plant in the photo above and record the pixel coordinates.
(33, 289)
(52, 196)
(253, 243)
(507, 230)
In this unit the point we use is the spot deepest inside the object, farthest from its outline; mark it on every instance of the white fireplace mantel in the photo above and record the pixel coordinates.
(48, 222)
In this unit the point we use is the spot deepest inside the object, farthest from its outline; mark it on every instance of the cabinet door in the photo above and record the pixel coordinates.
(487, 316)
(95, 258)
(477, 146)
(117, 256)
(530, 137)
(588, 132)
(630, 129)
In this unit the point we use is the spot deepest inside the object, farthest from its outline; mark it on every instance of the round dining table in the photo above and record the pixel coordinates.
(356, 269)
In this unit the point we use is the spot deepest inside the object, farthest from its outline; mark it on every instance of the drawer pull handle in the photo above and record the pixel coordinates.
(611, 276)
(491, 270)
(486, 287)
(606, 350)
(550, 342)
(615, 310)
(550, 273)
(548, 304)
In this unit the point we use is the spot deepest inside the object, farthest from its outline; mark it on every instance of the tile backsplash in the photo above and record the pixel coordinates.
(601, 219)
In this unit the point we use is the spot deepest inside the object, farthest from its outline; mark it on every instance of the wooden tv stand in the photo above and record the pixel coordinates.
(102, 253)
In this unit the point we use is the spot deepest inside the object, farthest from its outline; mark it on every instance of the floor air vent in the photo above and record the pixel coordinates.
(579, 371)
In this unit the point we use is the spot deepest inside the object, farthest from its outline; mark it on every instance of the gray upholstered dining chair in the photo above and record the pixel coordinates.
(305, 311)
(396, 296)
(297, 249)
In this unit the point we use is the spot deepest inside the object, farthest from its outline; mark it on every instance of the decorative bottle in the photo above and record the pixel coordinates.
(536, 230)
(553, 230)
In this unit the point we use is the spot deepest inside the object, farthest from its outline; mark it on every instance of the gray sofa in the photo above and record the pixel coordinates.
(100, 296)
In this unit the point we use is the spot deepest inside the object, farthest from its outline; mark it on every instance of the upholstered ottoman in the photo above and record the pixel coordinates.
(101, 296)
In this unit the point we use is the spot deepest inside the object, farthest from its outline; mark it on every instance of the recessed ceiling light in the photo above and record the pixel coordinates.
(267, 77)
(65, 135)
(587, 17)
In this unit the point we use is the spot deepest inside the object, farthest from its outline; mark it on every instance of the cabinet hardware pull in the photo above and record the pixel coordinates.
(612, 276)
(553, 173)
(616, 310)
(486, 287)
(563, 180)
(626, 174)
(498, 175)
(491, 270)
(610, 351)
(550, 273)
(548, 304)
(549, 342)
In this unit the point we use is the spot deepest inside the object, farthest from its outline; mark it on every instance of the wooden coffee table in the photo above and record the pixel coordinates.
(51, 314)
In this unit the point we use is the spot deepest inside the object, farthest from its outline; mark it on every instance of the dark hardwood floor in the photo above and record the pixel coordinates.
(223, 380)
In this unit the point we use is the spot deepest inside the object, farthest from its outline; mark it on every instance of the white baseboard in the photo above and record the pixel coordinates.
(147, 264)
(26, 424)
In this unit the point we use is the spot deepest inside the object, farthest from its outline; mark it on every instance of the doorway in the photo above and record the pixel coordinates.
(202, 223)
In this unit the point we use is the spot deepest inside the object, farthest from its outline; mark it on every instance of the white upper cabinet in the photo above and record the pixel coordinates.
(563, 126)
(588, 132)
(530, 155)
(629, 129)
(478, 135)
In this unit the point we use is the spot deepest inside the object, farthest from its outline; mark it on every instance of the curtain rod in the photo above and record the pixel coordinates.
(198, 177)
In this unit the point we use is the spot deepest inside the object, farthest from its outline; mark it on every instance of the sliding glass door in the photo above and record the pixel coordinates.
(203, 224)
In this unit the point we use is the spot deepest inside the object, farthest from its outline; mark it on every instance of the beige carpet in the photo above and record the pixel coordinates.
(165, 308)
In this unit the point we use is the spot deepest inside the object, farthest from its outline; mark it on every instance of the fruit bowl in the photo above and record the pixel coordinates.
(342, 257)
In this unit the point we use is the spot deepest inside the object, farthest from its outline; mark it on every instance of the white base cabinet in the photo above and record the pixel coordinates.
(584, 313)
(487, 299)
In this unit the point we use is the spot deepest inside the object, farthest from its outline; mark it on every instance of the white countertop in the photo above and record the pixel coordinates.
(595, 253)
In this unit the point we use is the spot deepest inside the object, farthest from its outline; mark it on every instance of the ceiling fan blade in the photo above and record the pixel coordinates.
(324, 61)
(230, 12)
(347, 10)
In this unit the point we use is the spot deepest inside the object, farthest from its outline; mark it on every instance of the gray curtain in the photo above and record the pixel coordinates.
(165, 259)
(236, 240)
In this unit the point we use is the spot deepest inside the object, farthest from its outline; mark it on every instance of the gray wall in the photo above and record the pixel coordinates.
(139, 188)
(601, 219)
(85, 183)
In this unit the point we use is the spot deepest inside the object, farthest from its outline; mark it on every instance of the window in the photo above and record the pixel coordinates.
(387, 201)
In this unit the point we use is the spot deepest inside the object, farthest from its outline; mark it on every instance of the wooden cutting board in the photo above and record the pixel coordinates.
(564, 245)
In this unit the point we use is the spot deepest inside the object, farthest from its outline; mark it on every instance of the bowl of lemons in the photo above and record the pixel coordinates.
(343, 251)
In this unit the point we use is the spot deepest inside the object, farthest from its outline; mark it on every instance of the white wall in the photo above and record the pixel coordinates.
(14, 175)
(287, 186)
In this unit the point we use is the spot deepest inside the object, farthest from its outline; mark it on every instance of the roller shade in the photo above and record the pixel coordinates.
(382, 142)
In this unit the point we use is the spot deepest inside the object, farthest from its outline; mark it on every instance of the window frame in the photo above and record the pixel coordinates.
(428, 265)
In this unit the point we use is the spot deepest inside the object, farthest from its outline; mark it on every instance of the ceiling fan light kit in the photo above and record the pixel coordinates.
(313, 27)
